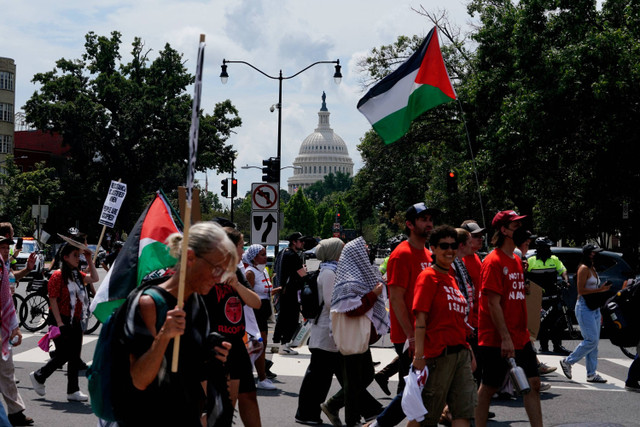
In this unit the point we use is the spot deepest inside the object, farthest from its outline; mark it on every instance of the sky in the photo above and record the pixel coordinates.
(272, 35)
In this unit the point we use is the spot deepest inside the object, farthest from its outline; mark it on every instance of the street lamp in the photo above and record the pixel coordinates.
(224, 77)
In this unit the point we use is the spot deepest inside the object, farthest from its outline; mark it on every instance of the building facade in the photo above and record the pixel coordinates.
(7, 103)
(321, 153)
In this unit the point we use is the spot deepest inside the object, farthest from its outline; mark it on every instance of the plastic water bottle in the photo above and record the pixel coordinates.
(12, 283)
(518, 377)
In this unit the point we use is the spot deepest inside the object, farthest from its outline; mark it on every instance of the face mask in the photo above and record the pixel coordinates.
(520, 236)
(261, 267)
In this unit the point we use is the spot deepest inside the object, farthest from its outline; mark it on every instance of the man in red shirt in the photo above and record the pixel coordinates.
(502, 321)
(405, 264)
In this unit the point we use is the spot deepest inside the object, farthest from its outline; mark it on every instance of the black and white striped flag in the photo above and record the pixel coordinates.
(195, 120)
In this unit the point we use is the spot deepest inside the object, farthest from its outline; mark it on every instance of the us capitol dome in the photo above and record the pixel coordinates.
(321, 153)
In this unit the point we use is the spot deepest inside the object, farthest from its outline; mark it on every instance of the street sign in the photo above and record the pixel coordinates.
(264, 227)
(264, 196)
(112, 204)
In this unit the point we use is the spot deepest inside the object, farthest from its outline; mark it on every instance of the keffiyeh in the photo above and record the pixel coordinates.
(251, 253)
(8, 314)
(355, 277)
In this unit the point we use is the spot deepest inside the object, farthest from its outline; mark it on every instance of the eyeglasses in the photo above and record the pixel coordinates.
(217, 271)
(444, 246)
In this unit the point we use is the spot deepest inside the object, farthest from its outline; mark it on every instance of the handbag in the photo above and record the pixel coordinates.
(351, 334)
(597, 299)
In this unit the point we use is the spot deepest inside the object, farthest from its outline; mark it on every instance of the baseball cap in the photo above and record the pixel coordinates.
(4, 239)
(503, 218)
(420, 209)
(591, 248)
(295, 236)
(472, 227)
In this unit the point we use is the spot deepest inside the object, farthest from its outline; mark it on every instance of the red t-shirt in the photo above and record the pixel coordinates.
(474, 265)
(403, 268)
(58, 289)
(503, 275)
(437, 294)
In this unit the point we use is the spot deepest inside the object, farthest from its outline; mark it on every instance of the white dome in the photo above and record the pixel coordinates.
(321, 153)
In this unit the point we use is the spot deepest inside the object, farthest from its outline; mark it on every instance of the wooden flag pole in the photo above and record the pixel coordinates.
(183, 273)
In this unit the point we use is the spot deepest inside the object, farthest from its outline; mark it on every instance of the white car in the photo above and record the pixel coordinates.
(29, 245)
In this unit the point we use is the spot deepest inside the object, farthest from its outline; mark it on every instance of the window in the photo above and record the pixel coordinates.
(314, 169)
(6, 112)
(5, 144)
(325, 169)
(6, 80)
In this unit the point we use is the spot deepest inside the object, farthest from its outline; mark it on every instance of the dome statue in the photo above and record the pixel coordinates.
(321, 153)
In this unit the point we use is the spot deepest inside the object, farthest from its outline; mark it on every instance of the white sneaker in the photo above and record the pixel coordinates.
(286, 350)
(266, 384)
(78, 396)
(38, 387)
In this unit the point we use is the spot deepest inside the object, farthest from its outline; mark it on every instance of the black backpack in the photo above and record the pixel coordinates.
(310, 305)
(621, 316)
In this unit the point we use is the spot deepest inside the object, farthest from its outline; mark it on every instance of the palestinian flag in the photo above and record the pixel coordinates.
(419, 84)
(143, 252)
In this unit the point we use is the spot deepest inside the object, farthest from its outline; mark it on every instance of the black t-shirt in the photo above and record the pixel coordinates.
(226, 312)
(291, 263)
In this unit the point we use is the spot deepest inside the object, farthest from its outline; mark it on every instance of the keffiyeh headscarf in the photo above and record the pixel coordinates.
(355, 277)
(8, 314)
(251, 253)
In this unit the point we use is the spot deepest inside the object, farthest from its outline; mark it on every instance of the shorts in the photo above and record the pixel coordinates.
(263, 314)
(495, 367)
(240, 367)
(450, 382)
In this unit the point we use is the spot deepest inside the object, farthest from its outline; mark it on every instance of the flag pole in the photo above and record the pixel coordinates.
(193, 151)
(104, 228)
(473, 164)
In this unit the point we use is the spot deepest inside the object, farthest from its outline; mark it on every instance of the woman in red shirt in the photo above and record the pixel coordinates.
(69, 309)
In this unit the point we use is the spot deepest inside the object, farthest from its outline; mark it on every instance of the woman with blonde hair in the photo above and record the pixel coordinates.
(163, 397)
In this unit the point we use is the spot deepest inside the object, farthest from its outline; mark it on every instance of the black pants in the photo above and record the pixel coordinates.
(288, 317)
(68, 349)
(549, 327)
(316, 383)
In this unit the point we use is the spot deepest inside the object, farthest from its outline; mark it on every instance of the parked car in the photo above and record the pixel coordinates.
(609, 265)
(30, 245)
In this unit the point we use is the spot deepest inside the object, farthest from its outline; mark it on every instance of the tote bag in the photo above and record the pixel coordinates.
(351, 334)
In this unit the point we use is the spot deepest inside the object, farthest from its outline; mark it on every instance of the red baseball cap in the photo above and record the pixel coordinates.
(503, 218)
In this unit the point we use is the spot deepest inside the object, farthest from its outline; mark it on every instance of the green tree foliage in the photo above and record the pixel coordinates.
(126, 121)
(332, 183)
(330, 206)
(21, 190)
(299, 215)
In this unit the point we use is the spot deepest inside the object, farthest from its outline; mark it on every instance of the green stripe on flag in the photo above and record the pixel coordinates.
(104, 309)
(154, 256)
(395, 125)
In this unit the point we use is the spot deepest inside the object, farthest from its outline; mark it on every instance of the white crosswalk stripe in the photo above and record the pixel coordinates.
(579, 375)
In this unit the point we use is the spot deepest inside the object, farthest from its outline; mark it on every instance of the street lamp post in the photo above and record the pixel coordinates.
(224, 77)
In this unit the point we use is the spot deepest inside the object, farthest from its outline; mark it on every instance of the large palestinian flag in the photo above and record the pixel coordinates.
(419, 84)
(143, 252)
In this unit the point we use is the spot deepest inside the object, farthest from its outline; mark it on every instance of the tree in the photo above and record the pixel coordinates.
(129, 121)
(332, 183)
(299, 215)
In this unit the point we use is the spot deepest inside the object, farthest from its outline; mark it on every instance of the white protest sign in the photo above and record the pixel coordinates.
(117, 191)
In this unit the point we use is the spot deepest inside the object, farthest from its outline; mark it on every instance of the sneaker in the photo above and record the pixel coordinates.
(544, 386)
(596, 379)
(566, 368)
(38, 387)
(632, 387)
(383, 382)
(266, 384)
(334, 417)
(373, 423)
(270, 375)
(20, 419)
(561, 351)
(308, 423)
(287, 351)
(77, 396)
(544, 369)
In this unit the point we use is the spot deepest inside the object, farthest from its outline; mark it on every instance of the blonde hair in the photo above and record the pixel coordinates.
(204, 238)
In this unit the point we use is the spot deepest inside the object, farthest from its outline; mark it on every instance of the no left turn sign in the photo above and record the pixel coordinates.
(264, 196)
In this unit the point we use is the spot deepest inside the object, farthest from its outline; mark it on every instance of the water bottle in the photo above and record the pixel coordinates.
(616, 315)
(12, 283)
(518, 378)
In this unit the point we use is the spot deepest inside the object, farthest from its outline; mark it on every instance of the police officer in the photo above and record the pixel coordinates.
(543, 270)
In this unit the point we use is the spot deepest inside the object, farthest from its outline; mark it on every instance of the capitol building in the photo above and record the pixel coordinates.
(321, 153)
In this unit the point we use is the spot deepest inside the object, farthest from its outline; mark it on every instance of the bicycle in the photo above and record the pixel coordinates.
(34, 311)
(559, 305)
(18, 301)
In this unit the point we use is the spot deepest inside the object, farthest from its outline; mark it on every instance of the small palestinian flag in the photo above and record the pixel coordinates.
(419, 84)
(143, 253)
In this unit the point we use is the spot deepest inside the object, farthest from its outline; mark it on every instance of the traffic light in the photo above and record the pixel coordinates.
(452, 182)
(272, 170)
(234, 187)
(224, 187)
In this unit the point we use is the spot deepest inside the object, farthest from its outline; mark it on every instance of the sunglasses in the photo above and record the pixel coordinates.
(444, 246)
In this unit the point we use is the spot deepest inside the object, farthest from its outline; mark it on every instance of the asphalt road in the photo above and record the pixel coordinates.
(568, 402)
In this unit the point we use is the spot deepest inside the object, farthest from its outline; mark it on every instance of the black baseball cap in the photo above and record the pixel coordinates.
(419, 209)
(295, 236)
(472, 227)
(591, 248)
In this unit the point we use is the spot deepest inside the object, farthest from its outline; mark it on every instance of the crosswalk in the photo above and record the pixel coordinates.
(296, 365)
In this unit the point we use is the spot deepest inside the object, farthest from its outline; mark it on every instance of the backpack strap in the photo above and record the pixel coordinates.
(161, 305)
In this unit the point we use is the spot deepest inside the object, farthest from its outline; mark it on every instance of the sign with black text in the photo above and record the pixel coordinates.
(117, 192)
